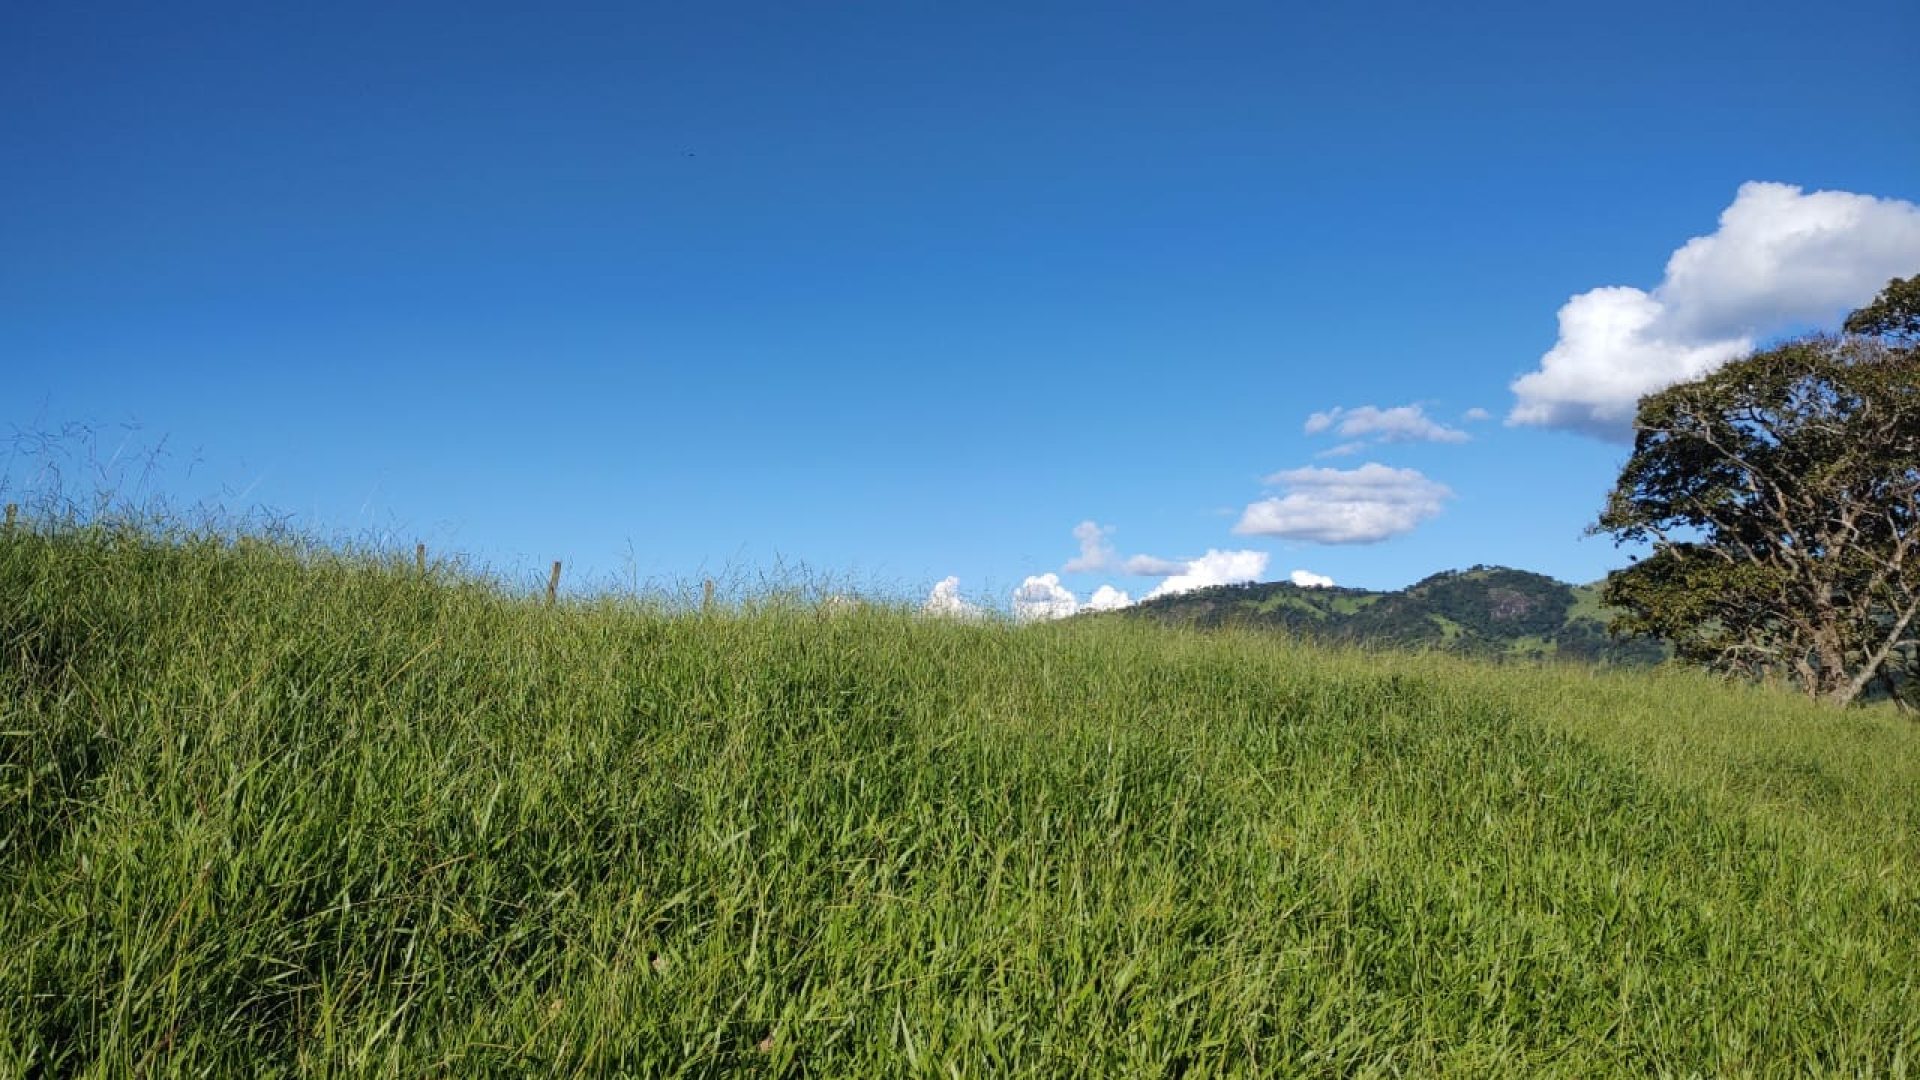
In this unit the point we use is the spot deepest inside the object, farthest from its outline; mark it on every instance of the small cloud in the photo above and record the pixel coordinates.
(1307, 579)
(1043, 597)
(1107, 598)
(945, 601)
(1096, 553)
(1345, 449)
(1214, 568)
(1476, 415)
(1153, 566)
(1345, 506)
(1370, 423)
(1781, 259)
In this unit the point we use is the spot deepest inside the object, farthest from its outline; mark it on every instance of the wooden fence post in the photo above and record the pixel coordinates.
(13, 511)
(706, 596)
(420, 558)
(553, 582)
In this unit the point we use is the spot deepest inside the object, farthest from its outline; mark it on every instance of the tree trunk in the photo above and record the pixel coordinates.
(1832, 683)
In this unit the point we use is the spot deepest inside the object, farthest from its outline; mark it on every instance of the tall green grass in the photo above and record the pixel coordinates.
(273, 810)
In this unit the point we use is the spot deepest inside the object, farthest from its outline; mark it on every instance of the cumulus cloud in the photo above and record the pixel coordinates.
(1345, 506)
(1107, 598)
(1475, 415)
(1402, 423)
(945, 600)
(1307, 579)
(1096, 553)
(1043, 597)
(1781, 259)
(1610, 355)
(1214, 568)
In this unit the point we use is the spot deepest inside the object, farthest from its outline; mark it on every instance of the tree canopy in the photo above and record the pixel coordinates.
(1780, 494)
(1895, 313)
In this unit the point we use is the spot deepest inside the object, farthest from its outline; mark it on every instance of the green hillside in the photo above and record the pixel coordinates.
(1487, 611)
(268, 810)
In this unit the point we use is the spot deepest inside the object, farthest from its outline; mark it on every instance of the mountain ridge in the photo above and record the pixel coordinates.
(1488, 611)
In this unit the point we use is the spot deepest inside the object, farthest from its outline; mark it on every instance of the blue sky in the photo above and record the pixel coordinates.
(906, 291)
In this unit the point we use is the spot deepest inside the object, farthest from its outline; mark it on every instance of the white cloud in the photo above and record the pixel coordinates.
(945, 600)
(1153, 566)
(1096, 553)
(1402, 423)
(1043, 597)
(1782, 259)
(1307, 579)
(1214, 568)
(1608, 357)
(1475, 415)
(1345, 506)
(1782, 256)
(1107, 598)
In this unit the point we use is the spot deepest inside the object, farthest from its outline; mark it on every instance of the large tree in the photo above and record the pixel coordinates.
(1780, 494)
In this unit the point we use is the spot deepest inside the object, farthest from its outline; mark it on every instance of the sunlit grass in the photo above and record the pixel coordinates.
(267, 809)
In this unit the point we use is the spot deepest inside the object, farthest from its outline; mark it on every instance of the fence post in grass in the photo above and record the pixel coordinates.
(13, 511)
(420, 558)
(706, 596)
(553, 583)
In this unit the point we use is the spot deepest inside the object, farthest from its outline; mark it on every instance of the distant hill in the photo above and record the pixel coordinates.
(1487, 611)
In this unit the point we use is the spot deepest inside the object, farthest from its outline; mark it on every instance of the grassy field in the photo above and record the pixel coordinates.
(267, 810)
